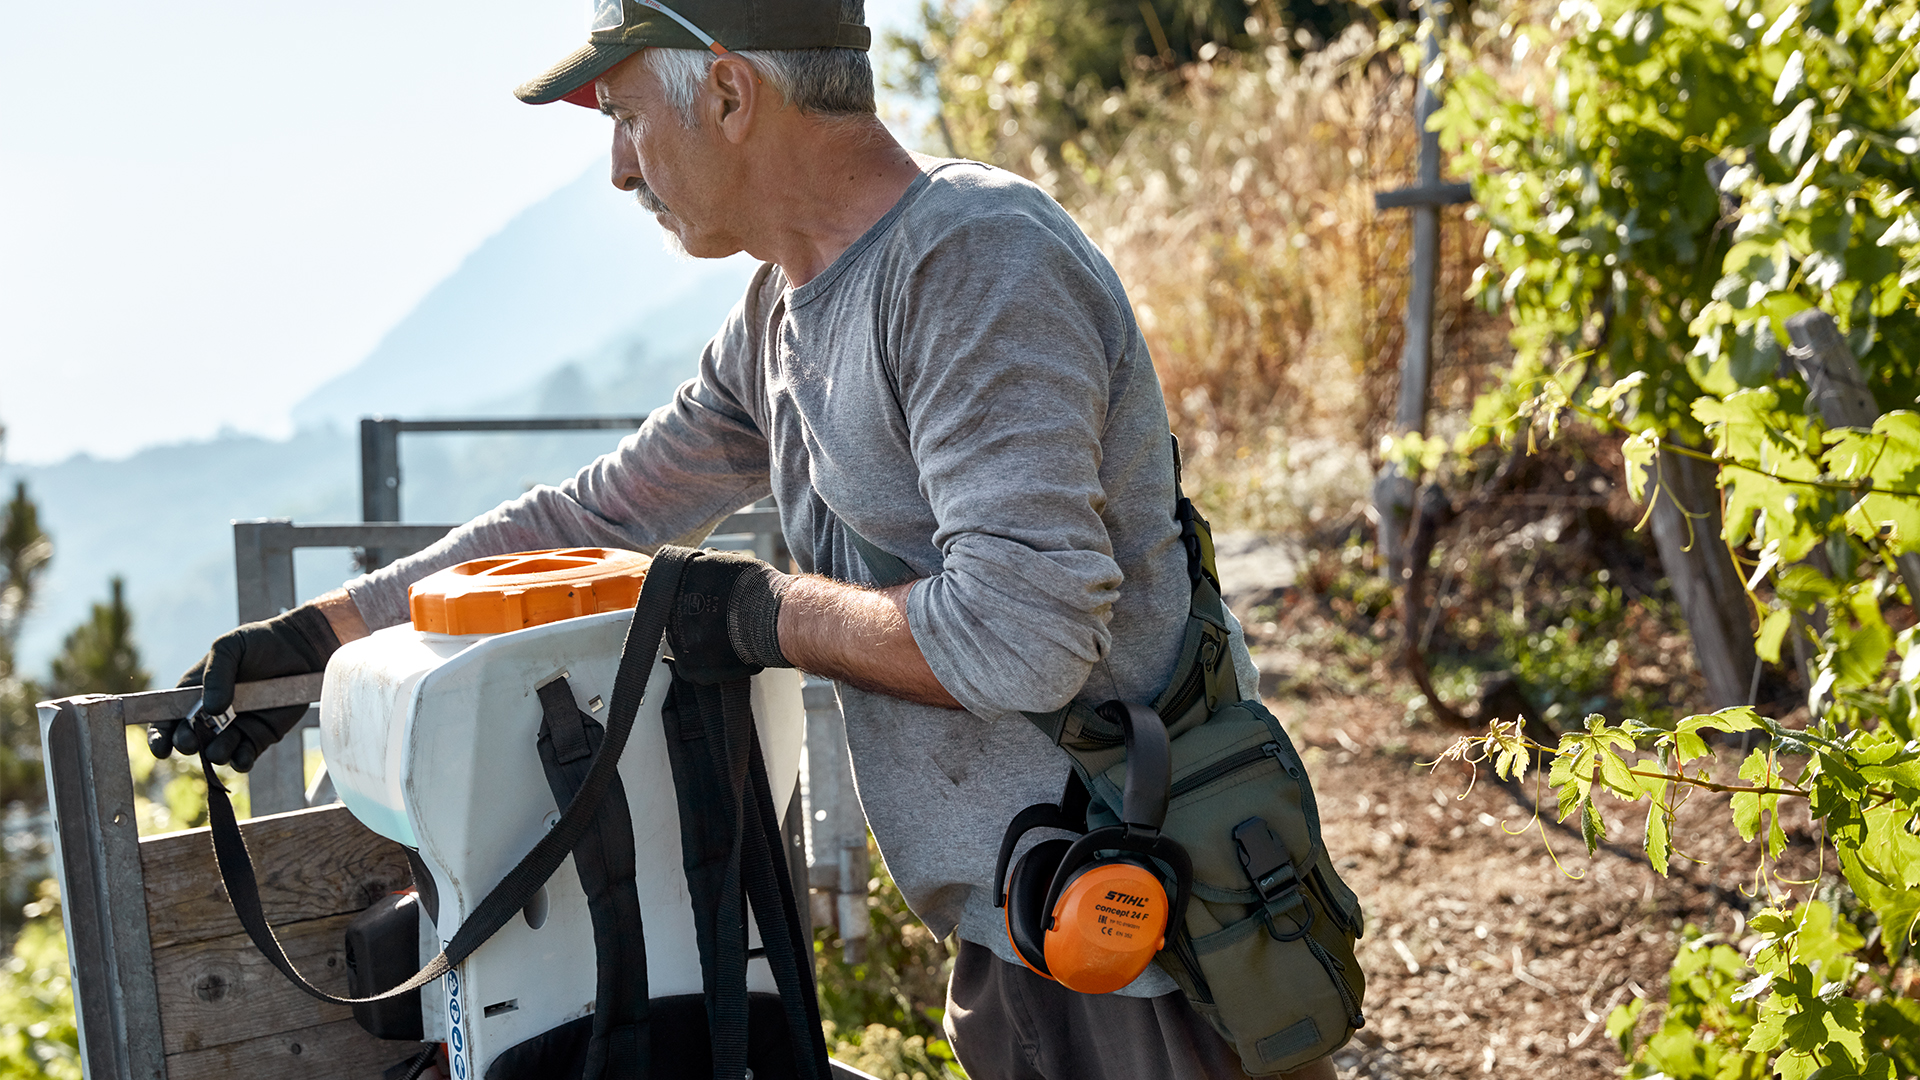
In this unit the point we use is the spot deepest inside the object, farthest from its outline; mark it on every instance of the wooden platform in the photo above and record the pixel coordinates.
(224, 1010)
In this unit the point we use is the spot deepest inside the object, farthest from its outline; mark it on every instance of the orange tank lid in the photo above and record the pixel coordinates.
(512, 592)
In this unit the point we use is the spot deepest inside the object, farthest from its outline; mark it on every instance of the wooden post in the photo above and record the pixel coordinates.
(1392, 492)
(1713, 599)
(1835, 384)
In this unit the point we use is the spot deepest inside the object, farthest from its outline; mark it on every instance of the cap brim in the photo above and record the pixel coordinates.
(565, 80)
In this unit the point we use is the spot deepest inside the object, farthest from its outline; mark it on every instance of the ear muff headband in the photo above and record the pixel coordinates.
(1143, 809)
(1092, 912)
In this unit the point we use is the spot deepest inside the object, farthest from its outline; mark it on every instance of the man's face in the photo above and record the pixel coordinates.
(671, 167)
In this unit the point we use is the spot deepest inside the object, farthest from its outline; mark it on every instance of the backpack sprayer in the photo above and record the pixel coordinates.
(465, 737)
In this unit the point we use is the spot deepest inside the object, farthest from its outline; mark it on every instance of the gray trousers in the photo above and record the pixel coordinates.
(1007, 1023)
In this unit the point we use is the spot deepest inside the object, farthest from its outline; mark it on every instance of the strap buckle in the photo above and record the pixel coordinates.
(1266, 862)
(1273, 875)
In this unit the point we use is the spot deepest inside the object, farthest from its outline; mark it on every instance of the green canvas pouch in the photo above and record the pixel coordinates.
(1267, 950)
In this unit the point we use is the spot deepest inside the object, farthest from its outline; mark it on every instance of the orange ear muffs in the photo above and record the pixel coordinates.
(1026, 895)
(1109, 921)
(1092, 912)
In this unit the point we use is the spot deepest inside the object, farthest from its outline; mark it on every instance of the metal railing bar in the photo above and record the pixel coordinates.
(531, 423)
(154, 706)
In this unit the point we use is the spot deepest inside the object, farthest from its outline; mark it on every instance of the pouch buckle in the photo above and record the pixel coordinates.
(1266, 862)
(1271, 870)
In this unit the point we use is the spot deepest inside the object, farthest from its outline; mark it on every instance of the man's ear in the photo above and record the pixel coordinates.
(737, 96)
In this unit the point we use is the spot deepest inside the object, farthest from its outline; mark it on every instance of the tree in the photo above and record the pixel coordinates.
(99, 656)
(25, 551)
(1021, 80)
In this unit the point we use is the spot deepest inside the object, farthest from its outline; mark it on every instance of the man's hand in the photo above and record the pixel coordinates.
(726, 625)
(296, 643)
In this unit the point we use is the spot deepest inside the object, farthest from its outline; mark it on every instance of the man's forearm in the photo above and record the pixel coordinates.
(343, 615)
(858, 636)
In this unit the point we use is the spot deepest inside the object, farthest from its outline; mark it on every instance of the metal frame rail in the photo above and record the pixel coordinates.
(380, 455)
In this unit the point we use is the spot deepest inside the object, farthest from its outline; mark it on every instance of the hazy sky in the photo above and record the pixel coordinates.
(209, 207)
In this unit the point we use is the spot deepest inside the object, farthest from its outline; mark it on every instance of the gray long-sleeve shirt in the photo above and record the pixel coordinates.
(965, 387)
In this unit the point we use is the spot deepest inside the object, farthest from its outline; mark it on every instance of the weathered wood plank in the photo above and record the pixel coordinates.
(223, 991)
(335, 1051)
(312, 864)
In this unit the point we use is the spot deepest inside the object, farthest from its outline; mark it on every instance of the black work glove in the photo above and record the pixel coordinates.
(726, 625)
(296, 643)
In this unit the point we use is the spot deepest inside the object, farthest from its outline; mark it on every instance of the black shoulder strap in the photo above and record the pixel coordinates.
(569, 741)
(733, 854)
(657, 599)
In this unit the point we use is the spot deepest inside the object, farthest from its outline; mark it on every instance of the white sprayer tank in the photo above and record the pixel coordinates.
(429, 738)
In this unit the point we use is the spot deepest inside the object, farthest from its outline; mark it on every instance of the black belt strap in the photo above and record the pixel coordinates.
(658, 597)
(568, 742)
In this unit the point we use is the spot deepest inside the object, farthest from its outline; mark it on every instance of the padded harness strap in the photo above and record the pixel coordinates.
(733, 855)
(605, 860)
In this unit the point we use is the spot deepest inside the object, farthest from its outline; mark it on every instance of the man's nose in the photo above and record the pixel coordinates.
(626, 165)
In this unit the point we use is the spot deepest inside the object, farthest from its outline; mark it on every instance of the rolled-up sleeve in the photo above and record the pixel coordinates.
(1004, 362)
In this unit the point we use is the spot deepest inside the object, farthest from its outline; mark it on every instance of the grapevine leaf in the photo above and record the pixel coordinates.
(1754, 988)
(1511, 757)
(1802, 587)
(1746, 804)
(1592, 830)
(1640, 450)
(1746, 814)
(1797, 1066)
(1659, 828)
(1603, 397)
(1767, 1035)
(1773, 630)
(1621, 1021)
(1686, 736)
(1614, 774)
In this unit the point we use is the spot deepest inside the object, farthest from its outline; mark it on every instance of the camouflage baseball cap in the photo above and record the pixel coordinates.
(621, 28)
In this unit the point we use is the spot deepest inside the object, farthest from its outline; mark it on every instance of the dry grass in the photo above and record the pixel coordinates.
(1269, 289)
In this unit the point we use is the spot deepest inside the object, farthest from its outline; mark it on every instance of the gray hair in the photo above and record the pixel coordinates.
(826, 82)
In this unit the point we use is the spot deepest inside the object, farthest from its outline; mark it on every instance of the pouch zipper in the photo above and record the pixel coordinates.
(1232, 763)
(1189, 692)
(1336, 972)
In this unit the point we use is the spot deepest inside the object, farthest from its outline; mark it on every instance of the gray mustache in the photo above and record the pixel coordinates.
(648, 200)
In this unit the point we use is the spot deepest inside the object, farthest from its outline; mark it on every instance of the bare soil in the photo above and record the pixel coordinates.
(1484, 956)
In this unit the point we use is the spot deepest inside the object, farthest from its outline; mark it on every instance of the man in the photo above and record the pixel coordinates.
(934, 361)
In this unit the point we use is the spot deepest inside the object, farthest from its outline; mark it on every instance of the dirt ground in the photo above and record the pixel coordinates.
(1484, 958)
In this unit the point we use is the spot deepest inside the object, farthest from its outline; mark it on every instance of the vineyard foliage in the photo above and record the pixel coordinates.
(1664, 185)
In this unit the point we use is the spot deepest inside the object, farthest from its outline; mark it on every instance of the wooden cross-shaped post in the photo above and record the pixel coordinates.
(1392, 491)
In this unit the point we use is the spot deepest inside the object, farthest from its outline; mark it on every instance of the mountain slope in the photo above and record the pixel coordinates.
(561, 279)
(574, 308)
